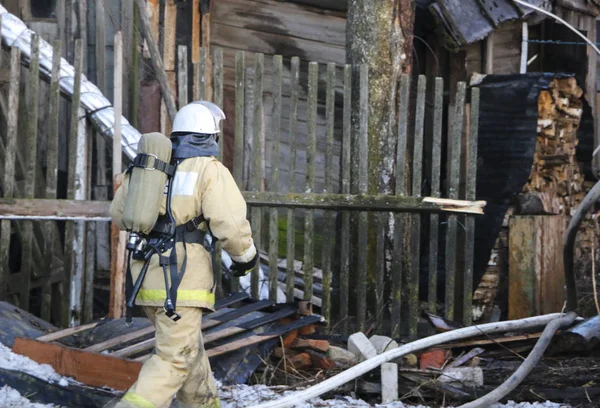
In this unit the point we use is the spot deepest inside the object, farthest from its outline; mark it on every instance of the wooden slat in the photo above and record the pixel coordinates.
(291, 214)
(415, 240)
(274, 216)
(313, 78)
(345, 233)
(61, 334)
(182, 76)
(471, 176)
(51, 178)
(200, 71)
(96, 370)
(363, 187)
(115, 341)
(329, 244)
(31, 163)
(398, 267)
(454, 147)
(170, 25)
(196, 25)
(218, 87)
(436, 155)
(257, 167)
(9, 164)
(117, 282)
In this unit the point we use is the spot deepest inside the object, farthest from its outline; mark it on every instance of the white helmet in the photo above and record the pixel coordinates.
(198, 117)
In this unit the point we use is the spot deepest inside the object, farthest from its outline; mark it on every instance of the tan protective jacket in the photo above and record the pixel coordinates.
(201, 186)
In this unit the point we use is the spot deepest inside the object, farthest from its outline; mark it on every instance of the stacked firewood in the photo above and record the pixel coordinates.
(556, 185)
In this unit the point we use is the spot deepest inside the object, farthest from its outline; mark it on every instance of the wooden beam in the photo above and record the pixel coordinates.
(96, 370)
(196, 31)
(98, 210)
(61, 334)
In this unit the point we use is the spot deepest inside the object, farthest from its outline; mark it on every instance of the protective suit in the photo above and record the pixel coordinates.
(202, 186)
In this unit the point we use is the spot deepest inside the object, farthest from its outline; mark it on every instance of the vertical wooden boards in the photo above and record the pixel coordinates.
(75, 235)
(471, 182)
(363, 187)
(9, 163)
(118, 238)
(434, 219)
(182, 76)
(454, 155)
(291, 213)
(313, 78)
(196, 26)
(169, 54)
(274, 213)
(397, 264)
(329, 244)
(200, 73)
(218, 99)
(536, 280)
(415, 239)
(257, 167)
(49, 304)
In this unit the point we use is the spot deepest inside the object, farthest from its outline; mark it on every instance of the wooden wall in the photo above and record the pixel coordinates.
(277, 28)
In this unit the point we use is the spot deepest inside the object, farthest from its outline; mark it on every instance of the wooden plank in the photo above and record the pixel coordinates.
(270, 43)
(291, 214)
(182, 76)
(31, 130)
(116, 304)
(397, 264)
(258, 164)
(169, 28)
(329, 244)
(345, 233)
(200, 72)
(313, 78)
(9, 164)
(454, 155)
(206, 41)
(363, 187)
(471, 177)
(274, 215)
(96, 370)
(115, 341)
(536, 280)
(61, 334)
(51, 179)
(287, 19)
(415, 240)
(434, 218)
(218, 88)
(77, 186)
(196, 25)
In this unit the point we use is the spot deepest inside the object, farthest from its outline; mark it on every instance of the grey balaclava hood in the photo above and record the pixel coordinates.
(186, 145)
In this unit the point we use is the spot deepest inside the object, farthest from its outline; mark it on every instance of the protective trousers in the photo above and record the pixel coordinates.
(179, 366)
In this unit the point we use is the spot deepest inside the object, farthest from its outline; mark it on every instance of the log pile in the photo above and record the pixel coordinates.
(556, 184)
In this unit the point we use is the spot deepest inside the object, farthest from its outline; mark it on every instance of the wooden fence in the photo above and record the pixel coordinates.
(56, 231)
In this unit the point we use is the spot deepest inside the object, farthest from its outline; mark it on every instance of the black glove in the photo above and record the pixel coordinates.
(243, 269)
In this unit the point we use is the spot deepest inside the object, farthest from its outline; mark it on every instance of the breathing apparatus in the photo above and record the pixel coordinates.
(151, 177)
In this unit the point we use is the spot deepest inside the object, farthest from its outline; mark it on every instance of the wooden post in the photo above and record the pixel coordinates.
(291, 213)
(118, 238)
(9, 164)
(415, 239)
(31, 164)
(274, 213)
(49, 305)
(434, 219)
(536, 280)
(363, 188)
(397, 264)
(257, 167)
(77, 186)
(329, 244)
(345, 234)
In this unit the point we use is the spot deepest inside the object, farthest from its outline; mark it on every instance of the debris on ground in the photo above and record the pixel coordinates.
(11, 398)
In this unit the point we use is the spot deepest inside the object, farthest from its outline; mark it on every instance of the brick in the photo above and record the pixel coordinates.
(360, 345)
(307, 330)
(432, 358)
(289, 338)
(300, 361)
(318, 345)
(321, 361)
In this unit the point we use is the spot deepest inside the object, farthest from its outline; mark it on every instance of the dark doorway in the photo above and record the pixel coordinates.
(43, 8)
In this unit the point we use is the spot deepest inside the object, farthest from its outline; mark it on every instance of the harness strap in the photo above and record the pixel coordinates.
(142, 160)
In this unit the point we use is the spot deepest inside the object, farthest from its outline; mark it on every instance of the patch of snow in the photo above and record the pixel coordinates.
(10, 398)
(12, 361)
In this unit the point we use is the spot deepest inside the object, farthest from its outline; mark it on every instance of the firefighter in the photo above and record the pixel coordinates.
(204, 197)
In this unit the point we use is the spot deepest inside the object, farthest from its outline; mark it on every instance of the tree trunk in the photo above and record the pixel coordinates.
(379, 34)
